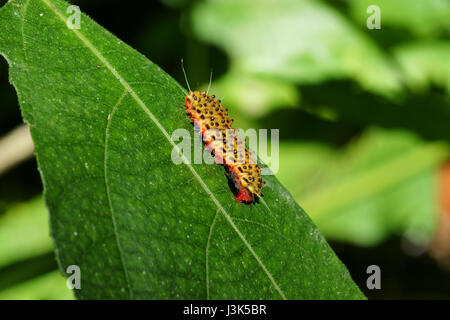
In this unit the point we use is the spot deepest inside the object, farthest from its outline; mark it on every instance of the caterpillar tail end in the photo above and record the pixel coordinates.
(244, 196)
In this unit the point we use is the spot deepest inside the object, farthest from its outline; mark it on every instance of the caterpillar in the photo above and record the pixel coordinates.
(222, 141)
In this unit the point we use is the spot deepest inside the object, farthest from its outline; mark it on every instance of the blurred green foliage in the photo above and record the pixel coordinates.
(367, 189)
(27, 260)
(425, 64)
(423, 18)
(299, 41)
(24, 232)
(363, 114)
(50, 286)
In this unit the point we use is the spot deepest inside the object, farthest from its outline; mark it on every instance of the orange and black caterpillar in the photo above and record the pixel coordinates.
(221, 139)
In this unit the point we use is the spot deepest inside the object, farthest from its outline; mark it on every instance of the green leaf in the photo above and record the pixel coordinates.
(24, 232)
(384, 183)
(26, 251)
(255, 96)
(50, 286)
(139, 226)
(422, 17)
(299, 41)
(425, 63)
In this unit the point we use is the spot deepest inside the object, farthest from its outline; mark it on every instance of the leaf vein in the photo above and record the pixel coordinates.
(130, 90)
(105, 168)
(207, 253)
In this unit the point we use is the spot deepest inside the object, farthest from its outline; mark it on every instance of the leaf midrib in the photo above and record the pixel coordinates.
(130, 90)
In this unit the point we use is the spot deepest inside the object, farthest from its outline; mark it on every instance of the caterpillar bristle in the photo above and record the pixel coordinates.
(208, 114)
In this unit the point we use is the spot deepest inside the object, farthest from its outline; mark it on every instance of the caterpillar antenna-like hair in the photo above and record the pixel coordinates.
(210, 80)
(184, 72)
